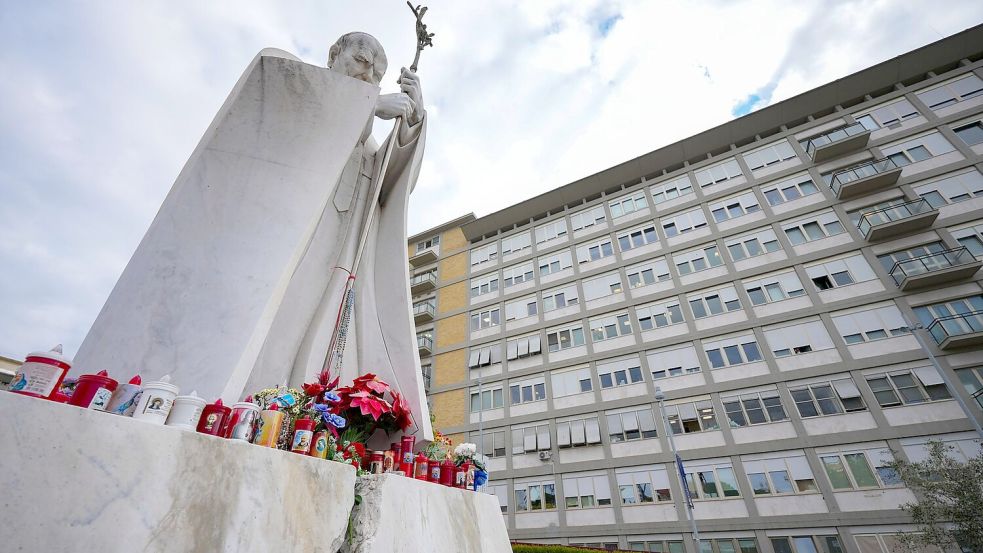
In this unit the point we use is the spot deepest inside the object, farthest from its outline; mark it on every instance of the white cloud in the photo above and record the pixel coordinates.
(104, 102)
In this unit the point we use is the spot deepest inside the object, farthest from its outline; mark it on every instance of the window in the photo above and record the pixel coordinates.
(826, 398)
(815, 228)
(551, 231)
(952, 92)
(484, 285)
(789, 189)
(584, 492)
(753, 408)
(484, 356)
(550, 264)
(716, 174)
(484, 254)
(752, 245)
(529, 439)
(637, 237)
(564, 338)
(577, 432)
(522, 346)
(588, 217)
(628, 426)
(726, 545)
(619, 372)
(521, 308)
(697, 260)
(602, 286)
(558, 298)
(840, 272)
(490, 442)
(779, 476)
(516, 243)
(708, 304)
(535, 496)
(527, 391)
(666, 546)
(643, 485)
(860, 469)
(879, 213)
(486, 318)
(889, 259)
(971, 134)
(569, 382)
(774, 288)
(658, 315)
(807, 544)
(917, 149)
(594, 251)
(888, 116)
(735, 207)
(872, 324)
(907, 387)
(684, 222)
(712, 482)
(797, 339)
(686, 418)
(952, 189)
(517, 274)
(671, 190)
(673, 361)
(428, 243)
(771, 154)
(971, 238)
(887, 543)
(928, 313)
(427, 370)
(650, 272)
(610, 326)
(627, 204)
(732, 351)
(488, 399)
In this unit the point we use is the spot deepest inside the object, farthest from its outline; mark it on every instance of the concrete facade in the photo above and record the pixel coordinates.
(761, 274)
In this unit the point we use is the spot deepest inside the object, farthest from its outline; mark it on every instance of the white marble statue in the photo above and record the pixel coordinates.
(236, 285)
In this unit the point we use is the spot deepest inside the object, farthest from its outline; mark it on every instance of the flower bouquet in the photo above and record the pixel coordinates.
(467, 454)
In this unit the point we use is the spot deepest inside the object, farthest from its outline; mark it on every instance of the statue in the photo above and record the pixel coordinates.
(237, 284)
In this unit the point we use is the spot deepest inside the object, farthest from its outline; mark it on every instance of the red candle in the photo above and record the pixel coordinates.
(303, 432)
(447, 472)
(406, 462)
(213, 418)
(421, 469)
(461, 475)
(93, 391)
(41, 375)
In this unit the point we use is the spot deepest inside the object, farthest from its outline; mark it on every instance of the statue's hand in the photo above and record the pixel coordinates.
(390, 106)
(409, 83)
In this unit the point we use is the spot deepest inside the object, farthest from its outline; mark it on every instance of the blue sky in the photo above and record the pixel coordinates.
(103, 103)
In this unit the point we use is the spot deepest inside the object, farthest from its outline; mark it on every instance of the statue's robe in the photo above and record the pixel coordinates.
(237, 283)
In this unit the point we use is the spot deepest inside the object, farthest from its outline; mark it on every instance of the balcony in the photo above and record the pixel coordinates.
(864, 178)
(423, 283)
(423, 312)
(425, 343)
(897, 220)
(958, 331)
(935, 268)
(836, 142)
(424, 257)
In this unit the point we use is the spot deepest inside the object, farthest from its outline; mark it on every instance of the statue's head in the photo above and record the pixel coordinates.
(358, 55)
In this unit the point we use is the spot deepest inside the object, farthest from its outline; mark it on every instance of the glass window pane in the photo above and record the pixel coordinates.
(860, 470)
(836, 472)
(781, 481)
(759, 483)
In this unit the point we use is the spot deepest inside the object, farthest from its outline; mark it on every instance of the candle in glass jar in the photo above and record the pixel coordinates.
(406, 462)
(303, 433)
(213, 418)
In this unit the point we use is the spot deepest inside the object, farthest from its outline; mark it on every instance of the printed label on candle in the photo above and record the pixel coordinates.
(100, 399)
(435, 473)
(36, 378)
(159, 406)
(302, 441)
(210, 421)
(408, 458)
(321, 444)
(460, 477)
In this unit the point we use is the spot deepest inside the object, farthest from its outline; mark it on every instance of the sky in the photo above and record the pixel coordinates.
(102, 102)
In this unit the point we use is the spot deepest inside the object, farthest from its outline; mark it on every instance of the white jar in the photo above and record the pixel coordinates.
(156, 401)
(186, 411)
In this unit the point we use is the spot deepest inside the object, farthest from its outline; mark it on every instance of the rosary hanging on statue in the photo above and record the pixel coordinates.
(336, 350)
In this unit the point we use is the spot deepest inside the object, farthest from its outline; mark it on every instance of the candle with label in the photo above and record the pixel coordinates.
(125, 398)
(242, 421)
(268, 426)
(303, 433)
(93, 391)
(213, 418)
(319, 446)
(186, 411)
(41, 374)
(156, 401)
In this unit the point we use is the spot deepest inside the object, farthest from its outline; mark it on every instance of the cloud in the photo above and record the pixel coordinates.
(104, 102)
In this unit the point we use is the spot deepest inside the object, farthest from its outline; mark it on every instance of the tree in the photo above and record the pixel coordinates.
(949, 510)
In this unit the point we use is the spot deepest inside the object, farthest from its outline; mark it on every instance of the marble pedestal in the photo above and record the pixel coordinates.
(399, 514)
(79, 480)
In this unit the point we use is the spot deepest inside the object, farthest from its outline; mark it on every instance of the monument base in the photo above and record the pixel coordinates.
(81, 480)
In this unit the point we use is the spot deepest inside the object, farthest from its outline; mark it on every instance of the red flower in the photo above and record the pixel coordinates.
(369, 404)
(313, 390)
(400, 412)
(372, 383)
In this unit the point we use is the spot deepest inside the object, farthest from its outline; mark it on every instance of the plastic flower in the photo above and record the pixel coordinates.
(335, 420)
(313, 389)
(332, 397)
(400, 412)
(372, 383)
(369, 404)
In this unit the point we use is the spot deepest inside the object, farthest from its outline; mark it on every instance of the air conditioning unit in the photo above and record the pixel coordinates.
(545, 455)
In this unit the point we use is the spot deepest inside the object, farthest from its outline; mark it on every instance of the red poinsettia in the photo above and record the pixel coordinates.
(369, 404)
(372, 383)
(313, 389)
(400, 412)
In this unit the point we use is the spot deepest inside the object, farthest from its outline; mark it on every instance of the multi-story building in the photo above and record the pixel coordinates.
(801, 283)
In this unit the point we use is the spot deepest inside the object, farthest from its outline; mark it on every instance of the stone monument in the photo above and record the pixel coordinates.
(237, 284)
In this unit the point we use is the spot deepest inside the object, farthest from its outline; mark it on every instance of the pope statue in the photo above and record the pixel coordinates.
(237, 284)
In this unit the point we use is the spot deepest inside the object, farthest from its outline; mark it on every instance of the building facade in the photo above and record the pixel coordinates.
(802, 284)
